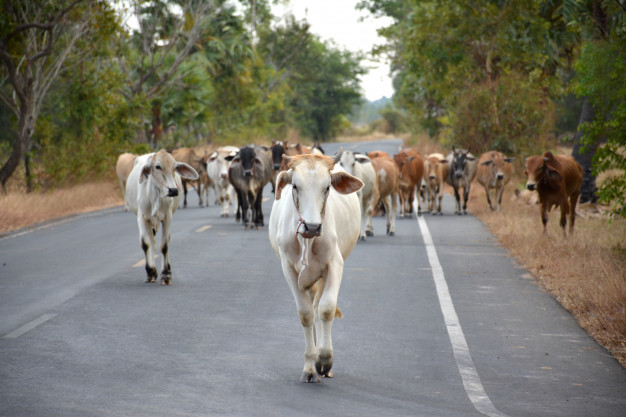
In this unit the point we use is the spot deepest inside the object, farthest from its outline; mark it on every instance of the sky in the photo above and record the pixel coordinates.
(339, 20)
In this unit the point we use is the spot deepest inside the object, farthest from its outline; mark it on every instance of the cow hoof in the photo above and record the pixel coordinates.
(362, 238)
(310, 377)
(458, 213)
(324, 364)
(166, 281)
(434, 213)
(391, 233)
(370, 234)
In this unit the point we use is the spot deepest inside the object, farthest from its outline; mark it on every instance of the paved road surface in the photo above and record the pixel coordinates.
(439, 321)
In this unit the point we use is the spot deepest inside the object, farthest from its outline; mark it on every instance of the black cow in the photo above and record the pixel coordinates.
(463, 166)
(278, 150)
(250, 171)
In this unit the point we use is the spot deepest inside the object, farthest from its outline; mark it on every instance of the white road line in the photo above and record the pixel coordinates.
(469, 375)
(29, 326)
(203, 228)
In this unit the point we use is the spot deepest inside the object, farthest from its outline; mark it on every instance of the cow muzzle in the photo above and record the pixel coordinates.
(172, 192)
(311, 230)
(247, 172)
(459, 174)
(531, 186)
(500, 176)
(276, 167)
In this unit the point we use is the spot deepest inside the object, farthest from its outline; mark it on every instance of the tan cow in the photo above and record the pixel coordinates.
(190, 157)
(435, 170)
(411, 170)
(387, 186)
(494, 172)
(123, 167)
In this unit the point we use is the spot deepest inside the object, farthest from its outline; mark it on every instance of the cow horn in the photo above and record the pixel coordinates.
(337, 157)
(286, 157)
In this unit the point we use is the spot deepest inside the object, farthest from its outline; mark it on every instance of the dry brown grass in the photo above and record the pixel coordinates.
(18, 209)
(585, 272)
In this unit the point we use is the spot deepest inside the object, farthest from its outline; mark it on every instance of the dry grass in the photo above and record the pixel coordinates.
(18, 209)
(585, 272)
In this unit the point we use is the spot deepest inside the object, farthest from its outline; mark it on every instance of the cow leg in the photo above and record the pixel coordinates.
(166, 272)
(307, 319)
(325, 314)
(148, 242)
(489, 197)
(466, 191)
(239, 205)
(439, 198)
(573, 199)
(185, 194)
(199, 190)
(499, 193)
(544, 217)
(366, 216)
(391, 212)
(457, 197)
(258, 210)
(564, 211)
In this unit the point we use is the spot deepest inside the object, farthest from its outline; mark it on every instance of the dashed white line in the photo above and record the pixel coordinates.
(29, 326)
(471, 380)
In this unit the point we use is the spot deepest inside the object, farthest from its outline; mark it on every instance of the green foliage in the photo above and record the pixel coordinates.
(602, 79)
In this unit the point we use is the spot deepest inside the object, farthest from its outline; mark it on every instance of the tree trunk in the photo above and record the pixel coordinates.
(157, 124)
(585, 156)
(25, 130)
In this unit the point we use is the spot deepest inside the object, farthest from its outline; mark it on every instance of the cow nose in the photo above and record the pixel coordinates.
(431, 176)
(277, 167)
(224, 175)
(172, 192)
(459, 174)
(247, 172)
(312, 229)
(530, 186)
(500, 176)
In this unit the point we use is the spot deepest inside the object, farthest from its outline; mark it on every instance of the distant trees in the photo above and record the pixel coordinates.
(77, 86)
(487, 73)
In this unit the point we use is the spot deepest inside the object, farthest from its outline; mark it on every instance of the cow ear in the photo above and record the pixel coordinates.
(282, 179)
(554, 174)
(362, 159)
(509, 160)
(470, 157)
(213, 156)
(185, 171)
(145, 171)
(345, 183)
(487, 163)
(410, 158)
(443, 161)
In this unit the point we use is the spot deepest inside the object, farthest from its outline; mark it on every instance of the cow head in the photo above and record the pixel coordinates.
(248, 159)
(349, 159)
(222, 158)
(459, 164)
(160, 169)
(278, 149)
(542, 169)
(496, 163)
(432, 166)
(311, 178)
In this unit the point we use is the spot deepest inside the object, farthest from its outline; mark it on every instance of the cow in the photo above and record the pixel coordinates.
(123, 167)
(411, 170)
(494, 171)
(556, 178)
(360, 166)
(217, 167)
(461, 173)
(277, 150)
(190, 157)
(249, 172)
(435, 172)
(314, 226)
(153, 194)
(387, 185)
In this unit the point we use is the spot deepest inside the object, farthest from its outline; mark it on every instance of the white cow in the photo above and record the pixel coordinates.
(361, 167)
(153, 194)
(217, 169)
(314, 196)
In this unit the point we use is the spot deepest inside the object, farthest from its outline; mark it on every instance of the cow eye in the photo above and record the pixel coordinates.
(295, 188)
(159, 168)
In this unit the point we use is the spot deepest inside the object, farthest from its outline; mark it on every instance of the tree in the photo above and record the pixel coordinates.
(36, 38)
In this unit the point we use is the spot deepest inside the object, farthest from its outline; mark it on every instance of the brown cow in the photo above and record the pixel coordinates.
(190, 157)
(494, 171)
(435, 170)
(556, 178)
(387, 181)
(411, 167)
(125, 163)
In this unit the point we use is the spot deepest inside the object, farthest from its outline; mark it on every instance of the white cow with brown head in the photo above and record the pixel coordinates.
(314, 225)
(153, 194)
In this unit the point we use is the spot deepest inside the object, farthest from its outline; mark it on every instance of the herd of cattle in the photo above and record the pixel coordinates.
(323, 205)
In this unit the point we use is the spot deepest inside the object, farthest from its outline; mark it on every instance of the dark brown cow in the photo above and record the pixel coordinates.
(192, 158)
(556, 178)
(411, 166)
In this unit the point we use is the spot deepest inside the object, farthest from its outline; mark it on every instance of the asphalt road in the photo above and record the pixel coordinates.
(439, 321)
